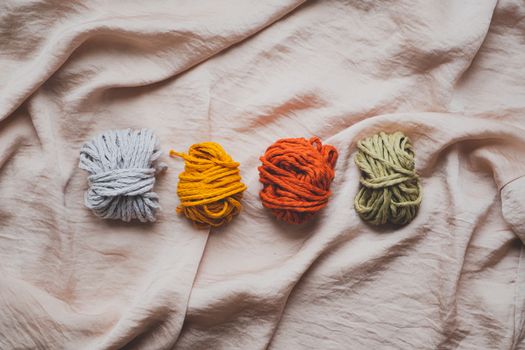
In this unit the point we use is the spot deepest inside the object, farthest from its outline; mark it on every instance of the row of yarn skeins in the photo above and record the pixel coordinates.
(296, 174)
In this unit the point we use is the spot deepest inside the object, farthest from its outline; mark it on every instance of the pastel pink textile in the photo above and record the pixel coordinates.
(450, 74)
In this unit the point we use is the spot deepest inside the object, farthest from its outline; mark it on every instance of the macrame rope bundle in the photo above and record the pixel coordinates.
(210, 188)
(296, 174)
(390, 190)
(122, 168)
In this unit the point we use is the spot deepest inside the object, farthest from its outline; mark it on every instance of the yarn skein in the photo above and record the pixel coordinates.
(390, 190)
(122, 167)
(296, 174)
(210, 188)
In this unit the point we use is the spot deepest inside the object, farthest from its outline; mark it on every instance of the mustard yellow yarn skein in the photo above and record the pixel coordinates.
(210, 188)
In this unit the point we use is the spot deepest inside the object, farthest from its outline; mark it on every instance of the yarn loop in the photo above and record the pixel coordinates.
(296, 174)
(210, 188)
(390, 190)
(122, 167)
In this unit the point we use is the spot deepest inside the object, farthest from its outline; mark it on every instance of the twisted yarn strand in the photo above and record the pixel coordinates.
(122, 170)
(390, 190)
(210, 188)
(296, 175)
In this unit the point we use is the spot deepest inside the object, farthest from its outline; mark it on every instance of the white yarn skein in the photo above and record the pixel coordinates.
(122, 167)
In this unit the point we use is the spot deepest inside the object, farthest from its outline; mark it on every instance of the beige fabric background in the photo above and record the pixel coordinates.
(450, 74)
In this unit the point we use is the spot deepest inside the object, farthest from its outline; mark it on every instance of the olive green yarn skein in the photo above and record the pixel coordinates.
(390, 190)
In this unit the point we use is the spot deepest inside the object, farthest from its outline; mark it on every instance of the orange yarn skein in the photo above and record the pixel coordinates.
(296, 174)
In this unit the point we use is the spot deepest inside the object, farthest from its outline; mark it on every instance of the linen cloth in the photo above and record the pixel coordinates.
(449, 74)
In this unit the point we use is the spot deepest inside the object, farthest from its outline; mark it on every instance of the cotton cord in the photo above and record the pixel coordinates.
(296, 174)
(122, 165)
(210, 188)
(390, 192)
